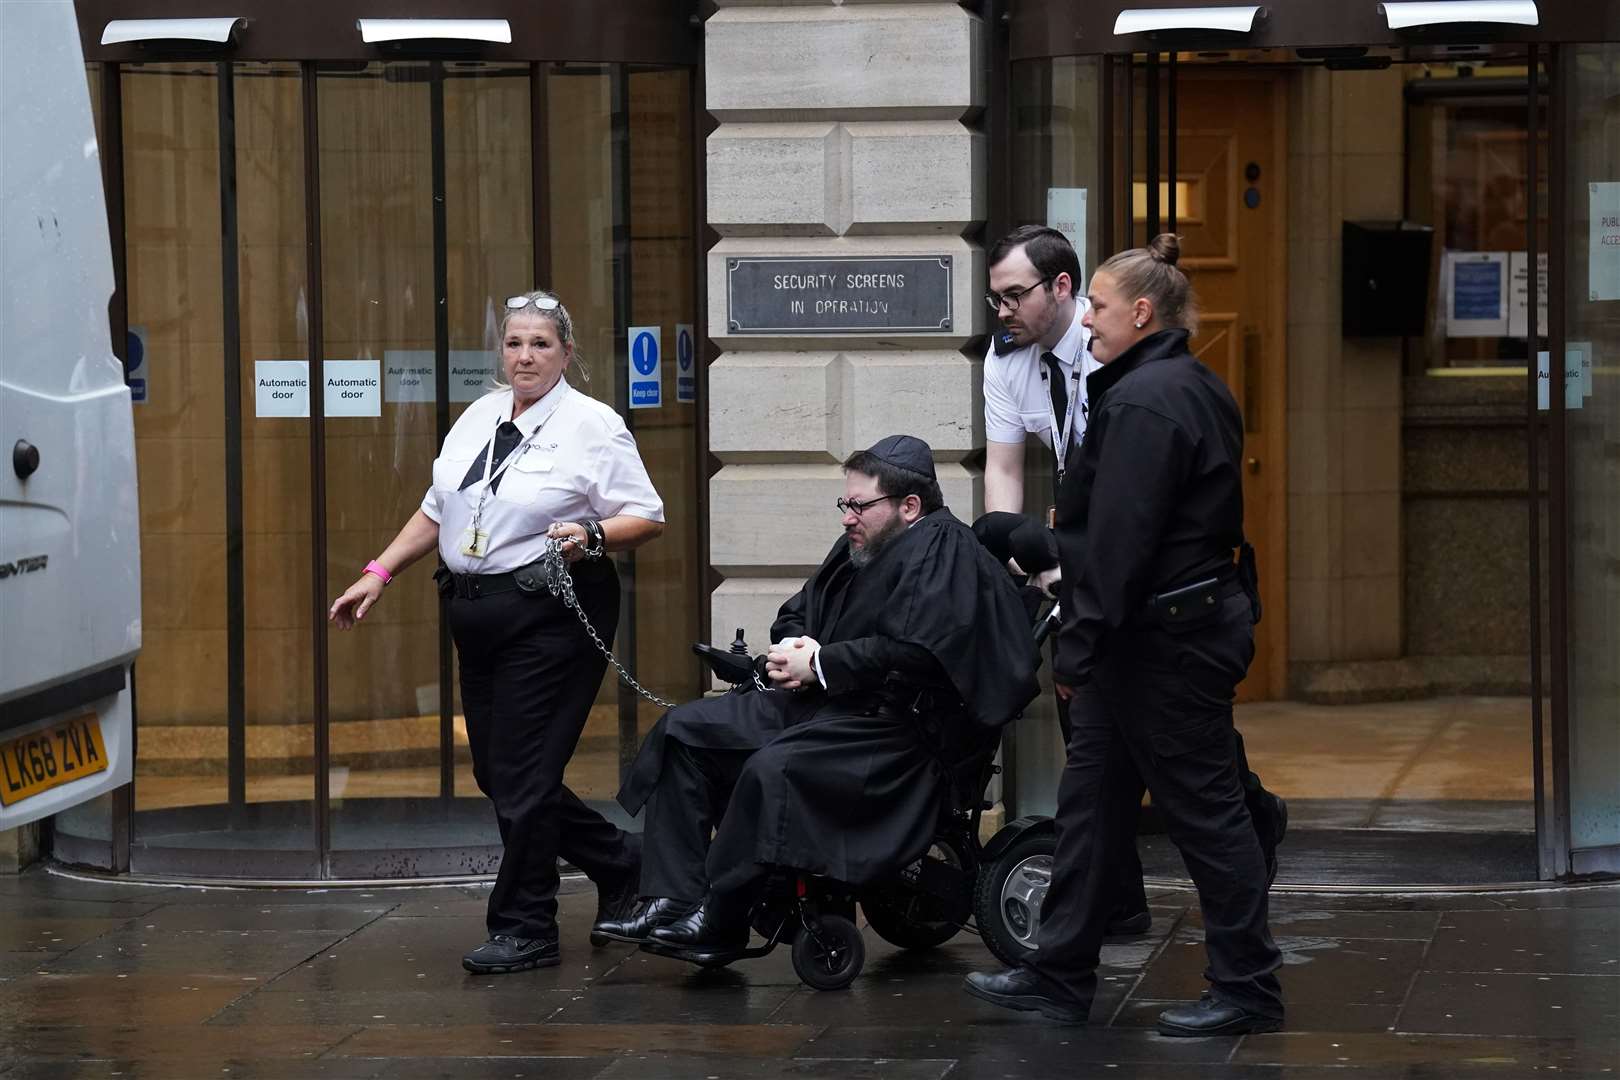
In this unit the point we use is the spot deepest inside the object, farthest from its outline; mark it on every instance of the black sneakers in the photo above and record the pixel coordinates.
(503, 953)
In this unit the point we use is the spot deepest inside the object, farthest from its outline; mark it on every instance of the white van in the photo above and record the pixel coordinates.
(70, 567)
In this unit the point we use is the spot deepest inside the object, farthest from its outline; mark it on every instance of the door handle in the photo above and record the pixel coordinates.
(1254, 464)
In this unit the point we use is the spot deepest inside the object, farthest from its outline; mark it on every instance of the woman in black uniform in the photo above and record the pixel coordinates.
(1158, 629)
(530, 463)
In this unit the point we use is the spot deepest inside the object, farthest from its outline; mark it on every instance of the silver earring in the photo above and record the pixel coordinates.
(1140, 325)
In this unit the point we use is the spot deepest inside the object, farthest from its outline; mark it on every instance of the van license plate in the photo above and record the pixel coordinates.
(64, 752)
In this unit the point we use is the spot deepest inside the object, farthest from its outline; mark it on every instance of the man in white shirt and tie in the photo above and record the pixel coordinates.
(1035, 384)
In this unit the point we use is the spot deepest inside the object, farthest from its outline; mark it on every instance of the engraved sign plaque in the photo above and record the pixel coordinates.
(890, 294)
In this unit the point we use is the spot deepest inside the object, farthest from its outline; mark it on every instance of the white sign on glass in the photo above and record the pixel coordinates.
(1476, 293)
(409, 376)
(1577, 373)
(281, 388)
(1518, 308)
(1066, 212)
(1603, 251)
(353, 388)
(472, 373)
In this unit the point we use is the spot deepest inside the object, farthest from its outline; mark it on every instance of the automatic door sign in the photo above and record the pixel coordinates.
(645, 373)
(353, 388)
(281, 388)
(685, 359)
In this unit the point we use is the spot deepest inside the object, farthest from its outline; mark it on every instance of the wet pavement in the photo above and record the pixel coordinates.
(116, 979)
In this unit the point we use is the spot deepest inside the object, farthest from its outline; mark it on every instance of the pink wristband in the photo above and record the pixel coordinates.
(378, 570)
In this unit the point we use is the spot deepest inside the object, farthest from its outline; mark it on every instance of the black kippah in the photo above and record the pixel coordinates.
(905, 452)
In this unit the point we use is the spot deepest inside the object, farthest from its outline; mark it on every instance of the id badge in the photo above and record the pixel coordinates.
(474, 543)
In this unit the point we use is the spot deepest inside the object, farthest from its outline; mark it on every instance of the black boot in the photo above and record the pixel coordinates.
(1209, 1016)
(1023, 988)
(615, 905)
(639, 923)
(719, 924)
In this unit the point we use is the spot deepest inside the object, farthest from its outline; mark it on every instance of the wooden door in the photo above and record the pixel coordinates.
(1232, 219)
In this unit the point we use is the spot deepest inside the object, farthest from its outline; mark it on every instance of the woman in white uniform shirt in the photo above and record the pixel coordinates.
(533, 461)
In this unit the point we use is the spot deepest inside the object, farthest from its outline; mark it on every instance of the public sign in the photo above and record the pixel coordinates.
(135, 364)
(1066, 212)
(643, 368)
(898, 294)
(685, 363)
(1603, 245)
(281, 388)
(353, 388)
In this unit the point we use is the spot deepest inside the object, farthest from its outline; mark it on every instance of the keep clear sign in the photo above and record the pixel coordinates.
(646, 376)
(685, 363)
(353, 388)
(280, 388)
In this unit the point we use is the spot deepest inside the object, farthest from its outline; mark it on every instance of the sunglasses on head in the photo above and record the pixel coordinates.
(542, 303)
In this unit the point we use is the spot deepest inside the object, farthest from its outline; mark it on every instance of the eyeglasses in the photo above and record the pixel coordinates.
(1012, 297)
(857, 507)
(543, 303)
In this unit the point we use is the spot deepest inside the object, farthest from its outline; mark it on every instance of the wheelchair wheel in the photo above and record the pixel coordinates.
(1011, 889)
(892, 920)
(831, 957)
(909, 920)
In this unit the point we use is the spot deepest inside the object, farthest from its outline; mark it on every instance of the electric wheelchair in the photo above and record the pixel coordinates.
(993, 889)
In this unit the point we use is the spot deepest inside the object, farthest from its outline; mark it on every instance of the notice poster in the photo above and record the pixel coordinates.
(1577, 376)
(1519, 301)
(1476, 293)
(1603, 251)
(1066, 212)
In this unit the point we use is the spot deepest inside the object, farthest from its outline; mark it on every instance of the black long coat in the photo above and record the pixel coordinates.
(842, 786)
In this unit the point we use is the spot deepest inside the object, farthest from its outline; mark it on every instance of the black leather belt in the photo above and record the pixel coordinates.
(529, 579)
(472, 586)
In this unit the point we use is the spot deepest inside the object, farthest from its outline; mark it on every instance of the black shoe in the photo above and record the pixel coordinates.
(1023, 989)
(1209, 1016)
(1132, 925)
(615, 905)
(638, 924)
(713, 926)
(503, 953)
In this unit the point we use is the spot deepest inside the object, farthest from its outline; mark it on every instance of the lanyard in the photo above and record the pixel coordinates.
(517, 452)
(1060, 435)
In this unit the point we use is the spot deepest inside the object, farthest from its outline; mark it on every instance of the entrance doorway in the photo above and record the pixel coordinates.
(1389, 487)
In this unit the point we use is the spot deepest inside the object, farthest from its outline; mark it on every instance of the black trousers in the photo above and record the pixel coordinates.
(529, 675)
(1159, 710)
(686, 805)
(1125, 894)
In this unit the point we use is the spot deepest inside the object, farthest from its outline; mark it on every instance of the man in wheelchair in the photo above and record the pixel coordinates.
(819, 765)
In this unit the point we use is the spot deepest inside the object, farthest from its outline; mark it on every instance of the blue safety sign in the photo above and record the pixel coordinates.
(135, 364)
(685, 364)
(644, 371)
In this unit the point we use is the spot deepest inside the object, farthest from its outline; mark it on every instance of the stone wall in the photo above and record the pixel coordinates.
(1344, 395)
(841, 132)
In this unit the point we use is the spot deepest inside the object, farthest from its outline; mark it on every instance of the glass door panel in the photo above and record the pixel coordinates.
(273, 486)
(172, 207)
(662, 294)
(377, 278)
(1591, 401)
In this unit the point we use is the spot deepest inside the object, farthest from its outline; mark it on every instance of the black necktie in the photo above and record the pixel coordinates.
(507, 436)
(1060, 395)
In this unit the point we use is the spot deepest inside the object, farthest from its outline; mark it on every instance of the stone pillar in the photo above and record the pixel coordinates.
(841, 133)
(1344, 395)
(19, 847)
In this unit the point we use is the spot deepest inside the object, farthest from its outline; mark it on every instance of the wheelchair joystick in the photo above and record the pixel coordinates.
(739, 647)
